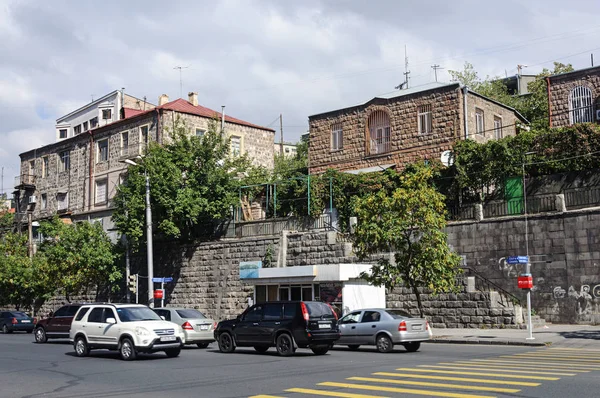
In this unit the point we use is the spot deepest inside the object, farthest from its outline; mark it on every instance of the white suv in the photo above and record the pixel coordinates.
(128, 328)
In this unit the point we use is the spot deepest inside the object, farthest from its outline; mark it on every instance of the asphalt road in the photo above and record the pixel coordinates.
(467, 371)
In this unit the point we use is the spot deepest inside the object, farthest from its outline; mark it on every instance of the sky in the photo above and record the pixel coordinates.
(262, 58)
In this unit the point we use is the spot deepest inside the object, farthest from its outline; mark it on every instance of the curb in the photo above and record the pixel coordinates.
(486, 342)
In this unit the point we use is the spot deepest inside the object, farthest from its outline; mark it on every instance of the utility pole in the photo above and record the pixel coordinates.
(528, 265)
(180, 79)
(29, 234)
(592, 59)
(435, 67)
(281, 134)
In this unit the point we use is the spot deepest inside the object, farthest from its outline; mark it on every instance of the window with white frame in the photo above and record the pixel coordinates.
(77, 129)
(44, 201)
(122, 178)
(200, 133)
(380, 132)
(102, 151)
(101, 190)
(125, 143)
(106, 114)
(337, 137)
(45, 165)
(424, 119)
(62, 200)
(497, 127)
(236, 145)
(62, 133)
(479, 121)
(64, 160)
(581, 109)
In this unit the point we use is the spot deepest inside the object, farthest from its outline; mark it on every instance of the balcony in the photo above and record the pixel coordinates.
(25, 181)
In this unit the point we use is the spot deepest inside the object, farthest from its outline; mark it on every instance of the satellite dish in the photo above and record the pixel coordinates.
(447, 158)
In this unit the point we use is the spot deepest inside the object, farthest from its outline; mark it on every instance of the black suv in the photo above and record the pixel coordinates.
(286, 325)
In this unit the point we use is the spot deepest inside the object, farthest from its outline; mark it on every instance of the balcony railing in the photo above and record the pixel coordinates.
(379, 146)
(24, 180)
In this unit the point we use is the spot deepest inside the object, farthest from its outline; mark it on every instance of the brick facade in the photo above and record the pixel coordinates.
(406, 144)
(559, 88)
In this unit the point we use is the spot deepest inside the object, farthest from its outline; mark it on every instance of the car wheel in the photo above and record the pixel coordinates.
(320, 349)
(202, 345)
(384, 343)
(173, 352)
(40, 335)
(413, 346)
(226, 343)
(5, 330)
(285, 345)
(81, 347)
(127, 350)
(261, 348)
(354, 347)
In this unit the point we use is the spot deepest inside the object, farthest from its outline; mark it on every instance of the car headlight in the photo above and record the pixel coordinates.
(140, 331)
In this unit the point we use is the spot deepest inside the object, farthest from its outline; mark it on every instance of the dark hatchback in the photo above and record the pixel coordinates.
(285, 325)
(57, 325)
(13, 321)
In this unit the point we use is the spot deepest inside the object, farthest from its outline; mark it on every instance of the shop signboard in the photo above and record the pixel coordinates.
(249, 269)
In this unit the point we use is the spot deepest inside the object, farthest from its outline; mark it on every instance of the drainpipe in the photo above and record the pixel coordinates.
(549, 103)
(91, 170)
(465, 113)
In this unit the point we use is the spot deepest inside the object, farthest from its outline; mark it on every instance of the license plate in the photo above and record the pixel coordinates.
(168, 338)
(417, 327)
(204, 327)
(25, 321)
(324, 326)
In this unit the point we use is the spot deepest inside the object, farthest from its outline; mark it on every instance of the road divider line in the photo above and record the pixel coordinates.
(459, 366)
(467, 379)
(402, 390)
(449, 372)
(537, 363)
(331, 393)
(439, 385)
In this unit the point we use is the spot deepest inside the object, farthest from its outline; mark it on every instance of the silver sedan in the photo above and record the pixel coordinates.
(197, 328)
(383, 328)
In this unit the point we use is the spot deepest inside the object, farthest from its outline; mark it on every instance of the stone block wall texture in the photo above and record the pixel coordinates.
(561, 86)
(491, 110)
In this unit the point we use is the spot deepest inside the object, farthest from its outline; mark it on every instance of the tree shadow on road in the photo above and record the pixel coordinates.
(581, 334)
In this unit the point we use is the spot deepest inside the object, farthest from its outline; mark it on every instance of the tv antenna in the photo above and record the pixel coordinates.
(406, 71)
(181, 79)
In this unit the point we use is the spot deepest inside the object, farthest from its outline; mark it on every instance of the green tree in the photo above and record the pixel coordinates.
(6, 221)
(409, 223)
(193, 181)
(78, 257)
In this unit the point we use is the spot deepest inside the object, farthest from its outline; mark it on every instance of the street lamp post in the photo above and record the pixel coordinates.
(150, 256)
(528, 265)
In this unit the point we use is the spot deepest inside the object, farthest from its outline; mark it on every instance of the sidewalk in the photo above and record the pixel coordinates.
(572, 336)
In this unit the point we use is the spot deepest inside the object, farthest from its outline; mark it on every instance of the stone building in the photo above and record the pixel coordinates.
(405, 126)
(77, 177)
(574, 97)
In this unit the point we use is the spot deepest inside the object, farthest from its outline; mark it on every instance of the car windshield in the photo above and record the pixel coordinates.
(190, 314)
(20, 315)
(398, 314)
(134, 314)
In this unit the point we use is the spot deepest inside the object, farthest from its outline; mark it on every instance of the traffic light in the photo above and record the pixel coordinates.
(133, 283)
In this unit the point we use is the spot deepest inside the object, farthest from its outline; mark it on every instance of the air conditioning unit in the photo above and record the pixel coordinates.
(598, 114)
(32, 199)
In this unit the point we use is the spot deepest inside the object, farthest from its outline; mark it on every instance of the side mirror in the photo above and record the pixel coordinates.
(239, 318)
(162, 317)
(50, 314)
(112, 321)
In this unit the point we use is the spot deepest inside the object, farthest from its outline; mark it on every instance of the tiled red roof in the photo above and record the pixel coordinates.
(130, 112)
(183, 106)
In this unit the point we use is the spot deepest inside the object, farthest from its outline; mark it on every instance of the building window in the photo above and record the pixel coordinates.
(77, 129)
(337, 137)
(102, 154)
(62, 133)
(45, 164)
(144, 138)
(106, 114)
(32, 167)
(236, 145)
(125, 143)
(424, 115)
(85, 126)
(65, 160)
(497, 127)
(200, 133)
(479, 122)
(44, 201)
(581, 109)
(93, 122)
(380, 132)
(62, 200)
(101, 186)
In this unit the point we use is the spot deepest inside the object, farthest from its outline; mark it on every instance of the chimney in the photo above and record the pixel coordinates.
(163, 99)
(193, 98)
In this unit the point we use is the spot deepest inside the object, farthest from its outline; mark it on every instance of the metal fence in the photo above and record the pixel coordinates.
(457, 213)
(274, 226)
(581, 198)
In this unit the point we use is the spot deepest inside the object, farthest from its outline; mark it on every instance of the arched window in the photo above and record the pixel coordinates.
(379, 133)
(581, 109)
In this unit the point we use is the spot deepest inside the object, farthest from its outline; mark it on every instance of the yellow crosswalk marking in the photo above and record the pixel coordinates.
(467, 379)
(537, 363)
(562, 359)
(428, 384)
(402, 390)
(479, 374)
(560, 356)
(331, 393)
(572, 349)
(467, 366)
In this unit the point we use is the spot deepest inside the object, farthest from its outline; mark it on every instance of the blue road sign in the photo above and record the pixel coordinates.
(163, 280)
(517, 260)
